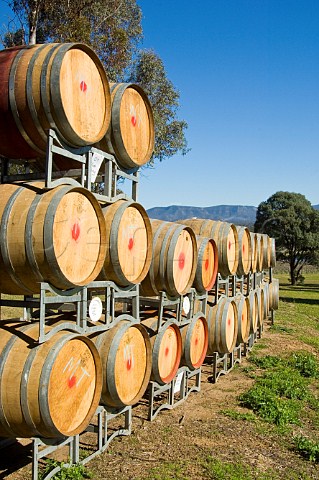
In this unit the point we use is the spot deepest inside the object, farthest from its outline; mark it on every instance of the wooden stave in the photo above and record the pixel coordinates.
(254, 252)
(107, 344)
(112, 269)
(219, 231)
(31, 404)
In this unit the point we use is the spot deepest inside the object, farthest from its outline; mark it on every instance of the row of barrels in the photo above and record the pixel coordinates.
(65, 237)
(52, 389)
(64, 87)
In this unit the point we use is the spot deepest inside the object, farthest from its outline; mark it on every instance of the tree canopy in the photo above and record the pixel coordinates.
(294, 223)
(113, 28)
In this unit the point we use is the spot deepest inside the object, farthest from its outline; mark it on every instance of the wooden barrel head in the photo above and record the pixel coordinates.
(72, 387)
(133, 244)
(135, 125)
(131, 366)
(183, 261)
(230, 326)
(76, 237)
(169, 354)
(199, 342)
(83, 97)
(209, 265)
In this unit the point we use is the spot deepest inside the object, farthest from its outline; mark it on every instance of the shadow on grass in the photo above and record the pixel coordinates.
(308, 301)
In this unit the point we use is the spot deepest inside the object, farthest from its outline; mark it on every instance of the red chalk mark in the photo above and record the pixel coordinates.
(72, 381)
(206, 264)
(181, 261)
(229, 245)
(128, 364)
(242, 317)
(75, 231)
(83, 86)
(166, 351)
(243, 248)
(196, 341)
(130, 243)
(229, 322)
(133, 120)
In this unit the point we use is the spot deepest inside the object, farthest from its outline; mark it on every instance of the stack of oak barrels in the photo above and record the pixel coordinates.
(68, 238)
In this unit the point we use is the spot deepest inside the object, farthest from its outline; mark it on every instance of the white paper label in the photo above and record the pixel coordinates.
(178, 382)
(95, 309)
(96, 162)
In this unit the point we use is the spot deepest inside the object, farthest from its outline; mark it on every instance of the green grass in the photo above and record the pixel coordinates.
(298, 309)
(307, 448)
(73, 472)
(215, 469)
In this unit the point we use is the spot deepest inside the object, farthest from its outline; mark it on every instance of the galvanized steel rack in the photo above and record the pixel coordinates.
(172, 394)
(101, 431)
(90, 161)
(76, 301)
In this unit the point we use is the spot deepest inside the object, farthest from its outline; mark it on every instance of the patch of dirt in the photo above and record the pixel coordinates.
(191, 432)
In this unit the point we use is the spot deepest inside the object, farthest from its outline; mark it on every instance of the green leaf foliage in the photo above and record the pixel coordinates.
(294, 223)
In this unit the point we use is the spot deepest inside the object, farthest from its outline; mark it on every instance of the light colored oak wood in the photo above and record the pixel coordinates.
(50, 390)
(125, 352)
(222, 322)
(128, 243)
(245, 251)
(226, 238)
(166, 348)
(243, 310)
(174, 262)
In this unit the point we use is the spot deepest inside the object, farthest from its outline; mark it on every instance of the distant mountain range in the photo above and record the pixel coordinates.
(237, 214)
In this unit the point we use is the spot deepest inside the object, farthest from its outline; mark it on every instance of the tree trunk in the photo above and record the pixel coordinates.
(292, 274)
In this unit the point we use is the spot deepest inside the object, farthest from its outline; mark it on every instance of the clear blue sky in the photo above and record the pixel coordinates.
(248, 76)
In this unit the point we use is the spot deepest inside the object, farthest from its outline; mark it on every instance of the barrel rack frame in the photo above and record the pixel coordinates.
(95, 166)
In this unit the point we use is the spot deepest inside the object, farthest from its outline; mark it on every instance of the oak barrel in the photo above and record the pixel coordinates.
(266, 250)
(59, 86)
(260, 305)
(254, 252)
(51, 389)
(254, 311)
(260, 252)
(222, 320)
(244, 251)
(130, 137)
(128, 243)
(207, 264)
(166, 344)
(174, 260)
(226, 238)
(125, 351)
(55, 236)
(195, 341)
(243, 311)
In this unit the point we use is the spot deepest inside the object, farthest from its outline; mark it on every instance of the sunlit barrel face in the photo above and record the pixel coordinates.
(209, 265)
(230, 326)
(169, 354)
(136, 126)
(231, 246)
(246, 251)
(76, 236)
(83, 98)
(243, 320)
(71, 387)
(183, 260)
(254, 252)
(131, 365)
(133, 244)
(198, 342)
